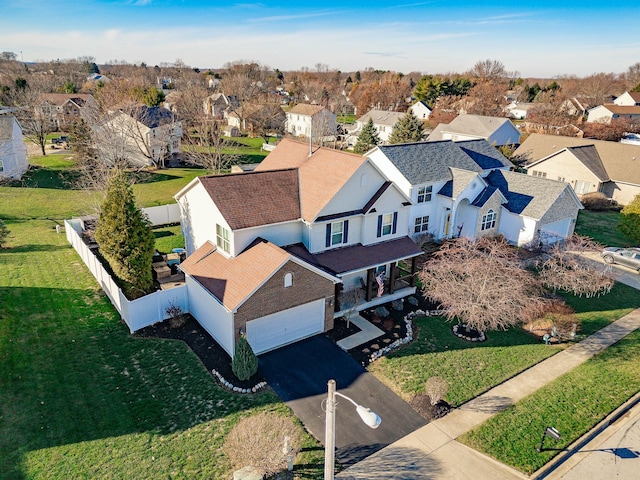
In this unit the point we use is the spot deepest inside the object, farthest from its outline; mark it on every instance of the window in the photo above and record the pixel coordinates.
(561, 179)
(536, 173)
(337, 233)
(582, 187)
(288, 280)
(424, 194)
(421, 225)
(488, 220)
(222, 238)
(387, 224)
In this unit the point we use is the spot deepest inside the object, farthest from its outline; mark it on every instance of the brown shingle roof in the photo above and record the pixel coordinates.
(306, 109)
(322, 174)
(233, 280)
(622, 109)
(621, 161)
(358, 257)
(60, 98)
(255, 198)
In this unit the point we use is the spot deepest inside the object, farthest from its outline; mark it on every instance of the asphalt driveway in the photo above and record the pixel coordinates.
(299, 373)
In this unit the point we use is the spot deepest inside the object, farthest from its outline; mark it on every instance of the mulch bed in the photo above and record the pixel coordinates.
(203, 345)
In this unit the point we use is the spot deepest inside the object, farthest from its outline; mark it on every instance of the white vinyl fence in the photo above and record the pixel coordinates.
(138, 313)
(163, 214)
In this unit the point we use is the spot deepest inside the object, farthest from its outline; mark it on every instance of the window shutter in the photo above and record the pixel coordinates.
(379, 225)
(328, 236)
(395, 222)
(345, 231)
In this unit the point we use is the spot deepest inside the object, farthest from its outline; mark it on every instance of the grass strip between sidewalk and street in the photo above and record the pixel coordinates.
(573, 404)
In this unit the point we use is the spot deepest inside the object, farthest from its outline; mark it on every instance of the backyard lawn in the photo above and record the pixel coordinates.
(79, 396)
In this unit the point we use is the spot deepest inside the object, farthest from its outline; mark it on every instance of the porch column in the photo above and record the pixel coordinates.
(412, 278)
(393, 274)
(370, 279)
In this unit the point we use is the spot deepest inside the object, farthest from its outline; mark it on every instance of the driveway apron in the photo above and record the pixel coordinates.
(299, 373)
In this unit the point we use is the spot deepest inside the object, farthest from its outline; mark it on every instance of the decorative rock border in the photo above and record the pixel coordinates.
(408, 319)
(455, 328)
(256, 388)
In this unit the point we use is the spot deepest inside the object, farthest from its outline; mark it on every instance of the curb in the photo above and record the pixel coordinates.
(575, 447)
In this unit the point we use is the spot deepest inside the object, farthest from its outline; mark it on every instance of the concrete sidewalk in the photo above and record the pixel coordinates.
(432, 452)
(368, 331)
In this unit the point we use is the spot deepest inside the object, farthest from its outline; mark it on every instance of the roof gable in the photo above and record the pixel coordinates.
(588, 155)
(478, 125)
(255, 198)
(381, 117)
(306, 109)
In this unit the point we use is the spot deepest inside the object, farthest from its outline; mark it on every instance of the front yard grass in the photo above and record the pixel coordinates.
(573, 404)
(473, 368)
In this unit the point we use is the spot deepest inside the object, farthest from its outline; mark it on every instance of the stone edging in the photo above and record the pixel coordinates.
(259, 386)
(403, 341)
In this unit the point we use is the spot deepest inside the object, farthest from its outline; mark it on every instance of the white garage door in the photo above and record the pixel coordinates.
(552, 232)
(278, 329)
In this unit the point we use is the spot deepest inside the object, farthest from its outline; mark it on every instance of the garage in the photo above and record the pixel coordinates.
(552, 232)
(278, 329)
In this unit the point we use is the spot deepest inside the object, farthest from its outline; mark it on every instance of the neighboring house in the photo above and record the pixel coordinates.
(628, 99)
(271, 250)
(218, 104)
(146, 135)
(519, 111)
(67, 108)
(496, 130)
(383, 121)
(98, 78)
(14, 161)
(578, 105)
(420, 110)
(466, 189)
(305, 120)
(610, 112)
(587, 165)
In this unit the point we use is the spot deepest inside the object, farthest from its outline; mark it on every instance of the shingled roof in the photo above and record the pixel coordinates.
(428, 162)
(227, 278)
(255, 198)
(527, 195)
(306, 109)
(620, 161)
(588, 155)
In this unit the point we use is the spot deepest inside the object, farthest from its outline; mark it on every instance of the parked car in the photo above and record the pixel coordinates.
(629, 257)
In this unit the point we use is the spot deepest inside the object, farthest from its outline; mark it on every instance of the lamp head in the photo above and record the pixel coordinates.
(371, 419)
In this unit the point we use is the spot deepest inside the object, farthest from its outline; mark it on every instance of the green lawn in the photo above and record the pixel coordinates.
(573, 404)
(471, 368)
(601, 226)
(79, 396)
(168, 238)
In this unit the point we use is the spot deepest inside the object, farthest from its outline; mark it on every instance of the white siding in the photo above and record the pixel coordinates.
(517, 229)
(565, 166)
(209, 313)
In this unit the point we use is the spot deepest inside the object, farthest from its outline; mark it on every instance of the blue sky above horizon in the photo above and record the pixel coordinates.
(548, 39)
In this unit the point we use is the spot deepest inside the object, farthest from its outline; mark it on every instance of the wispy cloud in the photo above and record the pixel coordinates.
(300, 16)
(407, 5)
(140, 3)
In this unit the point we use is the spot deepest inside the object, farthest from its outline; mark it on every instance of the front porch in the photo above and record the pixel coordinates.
(364, 304)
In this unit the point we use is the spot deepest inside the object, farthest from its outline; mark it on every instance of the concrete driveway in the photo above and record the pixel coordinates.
(299, 373)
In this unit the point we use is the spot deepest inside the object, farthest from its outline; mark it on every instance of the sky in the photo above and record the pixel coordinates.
(544, 39)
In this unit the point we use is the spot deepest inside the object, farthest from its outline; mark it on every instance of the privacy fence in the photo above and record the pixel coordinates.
(144, 311)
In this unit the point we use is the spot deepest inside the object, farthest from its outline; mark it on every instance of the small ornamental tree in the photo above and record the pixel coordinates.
(367, 139)
(125, 237)
(407, 130)
(245, 363)
(629, 223)
(482, 284)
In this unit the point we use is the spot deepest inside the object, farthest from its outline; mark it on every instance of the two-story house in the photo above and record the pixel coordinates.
(67, 108)
(142, 135)
(624, 107)
(271, 250)
(466, 189)
(305, 120)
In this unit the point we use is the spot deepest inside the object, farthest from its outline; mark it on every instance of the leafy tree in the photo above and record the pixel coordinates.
(367, 139)
(629, 223)
(245, 363)
(4, 234)
(68, 87)
(407, 130)
(150, 95)
(125, 237)
(21, 83)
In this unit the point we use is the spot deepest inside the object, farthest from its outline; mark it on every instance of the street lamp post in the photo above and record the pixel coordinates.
(371, 419)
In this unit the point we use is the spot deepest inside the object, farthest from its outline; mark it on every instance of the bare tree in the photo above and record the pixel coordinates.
(488, 70)
(632, 77)
(482, 284)
(569, 269)
(613, 131)
(266, 120)
(349, 301)
(36, 116)
(207, 147)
